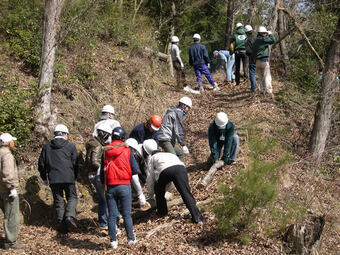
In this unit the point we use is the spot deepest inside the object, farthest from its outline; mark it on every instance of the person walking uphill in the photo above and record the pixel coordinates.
(120, 167)
(199, 59)
(221, 133)
(252, 60)
(171, 131)
(108, 113)
(239, 39)
(9, 200)
(58, 168)
(261, 53)
(164, 168)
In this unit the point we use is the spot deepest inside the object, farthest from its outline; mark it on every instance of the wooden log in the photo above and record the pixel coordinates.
(160, 55)
(300, 29)
(210, 175)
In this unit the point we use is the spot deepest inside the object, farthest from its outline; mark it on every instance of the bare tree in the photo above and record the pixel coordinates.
(274, 17)
(172, 33)
(136, 9)
(50, 27)
(329, 87)
(251, 11)
(229, 24)
(283, 48)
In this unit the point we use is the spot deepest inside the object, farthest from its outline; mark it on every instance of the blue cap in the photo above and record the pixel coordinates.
(214, 52)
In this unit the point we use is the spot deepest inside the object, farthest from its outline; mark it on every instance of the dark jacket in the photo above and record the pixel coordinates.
(249, 48)
(198, 55)
(58, 162)
(240, 40)
(172, 126)
(141, 133)
(94, 152)
(260, 46)
(216, 143)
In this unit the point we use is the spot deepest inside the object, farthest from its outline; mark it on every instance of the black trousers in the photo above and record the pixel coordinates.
(178, 175)
(69, 210)
(240, 55)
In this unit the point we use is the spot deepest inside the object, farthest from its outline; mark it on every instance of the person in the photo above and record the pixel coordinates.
(58, 168)
(119, 168)
(147, 130)
(239, 38)
(137, 153)
(94, 153)
(252, 60)
(199, 60)
(108, 113)
(261, 54)
(171, 131)
(221, 133)
(229, 59)
(164, 168)
(9, 200)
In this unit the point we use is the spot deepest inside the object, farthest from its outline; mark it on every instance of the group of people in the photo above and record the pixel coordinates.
(252, 51)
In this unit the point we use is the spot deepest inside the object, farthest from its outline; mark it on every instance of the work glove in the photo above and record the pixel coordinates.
(13, 193)
(45, 183)
(270, 32)
(208, 65)
(185, 150)
(141, 199)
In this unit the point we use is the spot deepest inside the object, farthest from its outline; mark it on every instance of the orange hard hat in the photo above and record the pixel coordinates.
(155, 122)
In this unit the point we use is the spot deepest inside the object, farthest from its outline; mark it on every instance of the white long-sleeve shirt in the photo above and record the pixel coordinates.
(175, 54)
(157, 163)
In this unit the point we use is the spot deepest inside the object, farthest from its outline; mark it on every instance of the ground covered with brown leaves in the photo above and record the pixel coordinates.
(176, 233)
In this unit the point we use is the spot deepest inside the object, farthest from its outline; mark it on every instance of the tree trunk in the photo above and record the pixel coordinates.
(50, 27)
(251, 11)
(329, 86)
(273, 21)
(229, 24)
(283, 48)
(172, 33)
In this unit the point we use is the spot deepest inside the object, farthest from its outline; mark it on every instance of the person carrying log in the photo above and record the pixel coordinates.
(164, 168)
(221, 134)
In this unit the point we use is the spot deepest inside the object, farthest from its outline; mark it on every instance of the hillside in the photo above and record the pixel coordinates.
(137, 93)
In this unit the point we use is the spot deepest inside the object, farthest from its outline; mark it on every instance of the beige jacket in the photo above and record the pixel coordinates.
(8, 171)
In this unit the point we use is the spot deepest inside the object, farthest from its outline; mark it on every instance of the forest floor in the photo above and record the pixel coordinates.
(179, 235)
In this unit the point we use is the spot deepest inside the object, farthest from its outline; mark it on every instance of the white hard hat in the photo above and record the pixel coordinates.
(197, 36)
(108, 108)
(149, 146)
(221, 119)
(262, 29)
(239, 25)
(132, 142)
(6, 138)
(186, 100)
(248, 28)
(105, 126)
(61, 128)
(174, 39)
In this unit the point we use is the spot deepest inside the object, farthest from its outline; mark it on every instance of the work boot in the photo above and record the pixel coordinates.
(71, 224)
(215, 88)
(16, 246)
(132, 242)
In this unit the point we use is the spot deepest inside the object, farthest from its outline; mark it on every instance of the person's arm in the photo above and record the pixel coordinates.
(227, 143)
(41, 165)
(178, 57)
(270, 39)
(9, 174)
(179, 130)
(190, 57)
(205, 55)
(213, 143)
(96, 156)
(133, 164)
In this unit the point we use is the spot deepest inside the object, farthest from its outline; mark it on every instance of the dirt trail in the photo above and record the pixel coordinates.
(183, 237)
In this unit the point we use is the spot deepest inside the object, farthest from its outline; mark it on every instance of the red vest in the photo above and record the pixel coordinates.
(117, 162)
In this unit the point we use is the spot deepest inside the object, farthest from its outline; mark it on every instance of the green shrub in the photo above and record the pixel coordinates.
(253, 189)
(16, 111)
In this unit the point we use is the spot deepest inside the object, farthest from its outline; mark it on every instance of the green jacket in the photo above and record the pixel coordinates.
(260, 46)
(215, 135)
(239, 38)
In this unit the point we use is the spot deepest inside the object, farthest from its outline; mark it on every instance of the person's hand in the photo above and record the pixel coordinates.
(141, 199)
(185, 150)
(208, 65)
(182, 66)
(270, 32)
(45, 183)
(13, 193)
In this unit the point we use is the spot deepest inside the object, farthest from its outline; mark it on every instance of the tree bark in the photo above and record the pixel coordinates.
(251, 11)
(283, 48)
(171, 34)
(329, 87)
(136, 9)
(50, 27)
(229, 24)
(210, 175)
